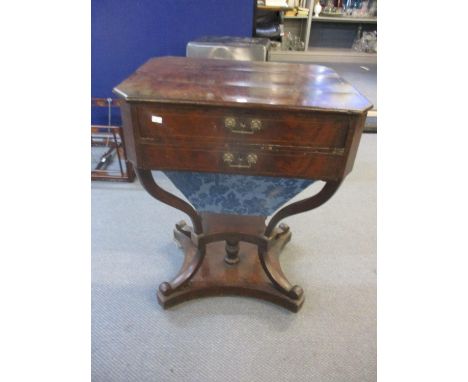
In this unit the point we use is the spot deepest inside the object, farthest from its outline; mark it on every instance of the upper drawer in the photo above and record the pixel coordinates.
(165, 123)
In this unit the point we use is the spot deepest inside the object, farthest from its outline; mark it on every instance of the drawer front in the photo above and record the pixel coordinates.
(244, 160)
(166, 124)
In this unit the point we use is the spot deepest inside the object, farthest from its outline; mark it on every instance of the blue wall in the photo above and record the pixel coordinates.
(126, 33)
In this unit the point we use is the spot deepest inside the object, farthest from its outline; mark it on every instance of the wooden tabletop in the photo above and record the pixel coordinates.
(237, 83)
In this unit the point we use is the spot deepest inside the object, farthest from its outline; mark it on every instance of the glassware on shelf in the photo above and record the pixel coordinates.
(357, 39)
(360, 8)
(367, 42)
(364, 8)
(372, 8)
(339, 3)
(317, 9)
(348, 6)
(292, 42)
(329, 7)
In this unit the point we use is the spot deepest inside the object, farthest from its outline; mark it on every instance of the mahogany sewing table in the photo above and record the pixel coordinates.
(268, 120)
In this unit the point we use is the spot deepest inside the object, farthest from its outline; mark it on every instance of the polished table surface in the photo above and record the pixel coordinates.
(257, 120)
(226, 82)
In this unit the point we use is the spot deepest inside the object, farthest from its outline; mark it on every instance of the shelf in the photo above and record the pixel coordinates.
(322, 55)
(296, 17)
(339, 52)
(341, 19)
(274, 9)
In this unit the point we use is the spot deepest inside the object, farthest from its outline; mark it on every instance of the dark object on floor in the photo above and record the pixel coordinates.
(106, 159)
(109, 138)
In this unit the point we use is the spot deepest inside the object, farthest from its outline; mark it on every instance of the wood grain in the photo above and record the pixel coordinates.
(246, 83)
(288, 120)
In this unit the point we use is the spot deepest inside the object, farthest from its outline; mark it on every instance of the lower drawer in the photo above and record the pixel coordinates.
(247, 161)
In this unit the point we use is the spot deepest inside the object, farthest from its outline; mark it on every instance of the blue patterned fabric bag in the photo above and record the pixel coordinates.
(236, 194)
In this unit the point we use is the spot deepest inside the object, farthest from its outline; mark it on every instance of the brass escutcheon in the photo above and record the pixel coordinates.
(239, 162)
(241, 127)
(255, 125)
(230, 122)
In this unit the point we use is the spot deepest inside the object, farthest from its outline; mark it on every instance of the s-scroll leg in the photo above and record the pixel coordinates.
(269, 260)
(304, 205)
(149, 184)
(193, 259)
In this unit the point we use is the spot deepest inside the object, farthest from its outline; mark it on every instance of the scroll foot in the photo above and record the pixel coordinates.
(165, 288)
(192, 261)
(225, 262)
(271, 265)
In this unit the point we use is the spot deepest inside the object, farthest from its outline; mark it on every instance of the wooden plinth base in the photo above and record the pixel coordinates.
(216, 269)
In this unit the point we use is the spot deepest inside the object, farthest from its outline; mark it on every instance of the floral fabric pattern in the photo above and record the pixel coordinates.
(236, 194)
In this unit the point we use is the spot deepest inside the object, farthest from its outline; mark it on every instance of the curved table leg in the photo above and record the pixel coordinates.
(192, 262)
(209, 275)
(269, 260)
(196, 278)
(310, 203)
(148, 182)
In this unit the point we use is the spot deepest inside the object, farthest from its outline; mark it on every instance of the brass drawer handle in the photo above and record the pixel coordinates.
(241, 127)
(255, 125)
(240, 161)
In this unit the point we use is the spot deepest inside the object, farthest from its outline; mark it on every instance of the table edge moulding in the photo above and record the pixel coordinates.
(252, 120)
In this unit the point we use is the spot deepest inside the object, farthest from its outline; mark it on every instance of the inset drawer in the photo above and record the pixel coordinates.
(167, 124)
(244, 160)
